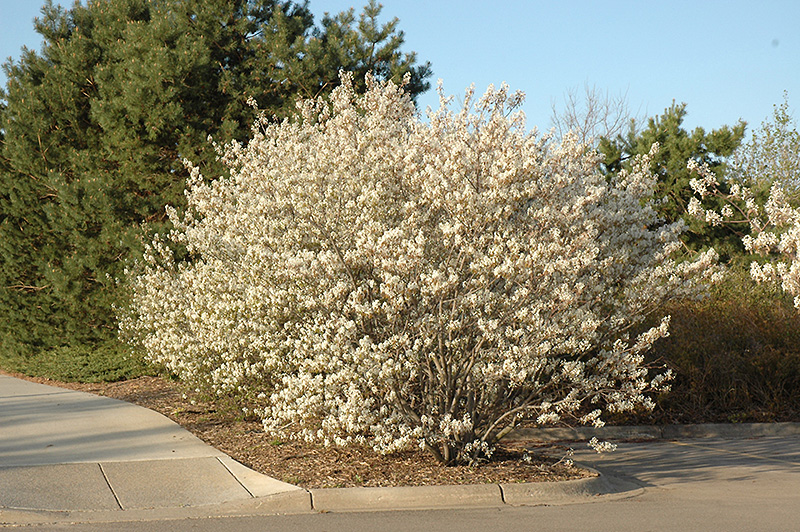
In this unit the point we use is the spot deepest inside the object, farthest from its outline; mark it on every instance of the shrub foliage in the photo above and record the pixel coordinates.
(362, 276)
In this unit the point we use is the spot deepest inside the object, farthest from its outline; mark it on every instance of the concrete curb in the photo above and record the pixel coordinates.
(471, 496)
(539, 493)
(665, 432)
(569, 491)
(298, 501)
(405, 498)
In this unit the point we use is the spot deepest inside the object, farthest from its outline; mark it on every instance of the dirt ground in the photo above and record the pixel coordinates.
(320, 467)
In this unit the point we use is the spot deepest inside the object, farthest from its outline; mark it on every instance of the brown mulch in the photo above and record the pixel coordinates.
(320, 467)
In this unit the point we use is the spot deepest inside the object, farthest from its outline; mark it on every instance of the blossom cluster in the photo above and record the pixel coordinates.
(774, 226)
(364, 276)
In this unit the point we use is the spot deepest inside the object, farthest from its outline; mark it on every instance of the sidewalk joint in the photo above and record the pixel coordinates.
(110, 487)
(235, 478)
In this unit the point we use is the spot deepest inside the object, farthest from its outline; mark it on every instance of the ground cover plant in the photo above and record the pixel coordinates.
(364, 277)
(81, 363)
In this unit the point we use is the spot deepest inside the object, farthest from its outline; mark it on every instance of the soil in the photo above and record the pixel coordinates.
(312, 466)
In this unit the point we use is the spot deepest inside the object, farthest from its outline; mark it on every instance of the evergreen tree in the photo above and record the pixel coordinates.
(676, 147)
(95, 128)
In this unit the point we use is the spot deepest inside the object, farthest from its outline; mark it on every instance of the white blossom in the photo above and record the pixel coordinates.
(601, 446)
(363, 276)
(775, 230)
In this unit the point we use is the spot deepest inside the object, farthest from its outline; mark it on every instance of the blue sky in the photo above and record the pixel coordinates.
(727, 59)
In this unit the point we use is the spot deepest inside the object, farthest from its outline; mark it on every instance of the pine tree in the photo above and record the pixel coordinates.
(676, 147)
(95, 128)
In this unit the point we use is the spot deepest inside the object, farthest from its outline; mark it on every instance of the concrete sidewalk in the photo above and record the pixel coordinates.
(67, 451)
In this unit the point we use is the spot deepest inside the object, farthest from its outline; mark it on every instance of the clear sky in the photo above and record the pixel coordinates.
(727, 59)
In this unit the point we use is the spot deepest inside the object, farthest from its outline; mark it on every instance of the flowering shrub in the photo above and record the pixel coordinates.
(364, 277)
(775, 224)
